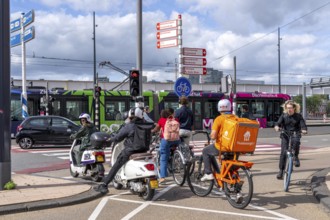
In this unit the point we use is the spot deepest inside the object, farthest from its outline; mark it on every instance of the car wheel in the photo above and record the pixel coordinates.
(25, 143)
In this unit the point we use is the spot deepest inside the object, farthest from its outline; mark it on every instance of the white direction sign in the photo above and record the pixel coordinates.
(167, 43)
(167, 24)
(186, 51)
(194, 70)
(167, 34)
(194, 61)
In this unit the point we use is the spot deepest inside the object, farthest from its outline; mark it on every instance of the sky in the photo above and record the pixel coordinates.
(63, 45)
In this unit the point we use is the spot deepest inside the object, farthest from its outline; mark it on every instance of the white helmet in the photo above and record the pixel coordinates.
(85, 116)
(224, 105)
(135, 112)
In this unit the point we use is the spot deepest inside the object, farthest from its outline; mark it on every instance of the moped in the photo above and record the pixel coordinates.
(92, 158)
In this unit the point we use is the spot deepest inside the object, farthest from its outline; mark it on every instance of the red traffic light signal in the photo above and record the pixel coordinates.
(134, 82)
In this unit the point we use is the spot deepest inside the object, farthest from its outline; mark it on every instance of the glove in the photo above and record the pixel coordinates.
(277, 128)
(304, 131)
(71, 137)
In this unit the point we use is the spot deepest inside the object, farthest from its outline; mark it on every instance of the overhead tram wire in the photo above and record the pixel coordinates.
(311, 12)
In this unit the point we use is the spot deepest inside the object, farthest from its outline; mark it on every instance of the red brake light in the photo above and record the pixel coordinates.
(150, 166)
(19, 127)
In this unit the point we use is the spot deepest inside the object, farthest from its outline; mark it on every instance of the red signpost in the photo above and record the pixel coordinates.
(194, 70)
(194, 61)
(167, 24)
(186, 51)
(167, 43)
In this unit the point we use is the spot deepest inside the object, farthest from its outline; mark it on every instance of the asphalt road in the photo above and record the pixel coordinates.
(173, 202)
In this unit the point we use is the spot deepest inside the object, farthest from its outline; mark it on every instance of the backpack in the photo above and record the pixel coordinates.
(238, 134)
(142, 136)
(171, 129)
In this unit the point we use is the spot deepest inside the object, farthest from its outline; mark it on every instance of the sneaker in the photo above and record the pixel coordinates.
(280, 175)
(102, 188)
(296, 161)
(207, 177)
(239, 198)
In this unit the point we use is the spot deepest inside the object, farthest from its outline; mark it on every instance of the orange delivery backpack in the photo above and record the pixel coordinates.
(239, 134)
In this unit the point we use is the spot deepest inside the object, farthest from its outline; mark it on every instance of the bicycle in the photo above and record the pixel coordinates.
(179, 156)
(234, 177)
(289, 158)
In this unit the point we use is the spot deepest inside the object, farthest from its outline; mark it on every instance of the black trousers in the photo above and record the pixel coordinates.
(123, 157)
(208, 153)
(284, 146)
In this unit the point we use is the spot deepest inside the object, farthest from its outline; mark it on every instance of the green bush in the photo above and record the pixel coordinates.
(10, 185)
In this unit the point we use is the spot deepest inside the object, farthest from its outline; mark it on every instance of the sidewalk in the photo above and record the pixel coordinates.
(38, 192)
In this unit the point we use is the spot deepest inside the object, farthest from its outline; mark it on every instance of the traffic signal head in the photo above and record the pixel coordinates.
(134, 82)
(97, 91)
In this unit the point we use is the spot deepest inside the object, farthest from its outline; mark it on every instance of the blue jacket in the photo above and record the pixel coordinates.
(185, 116)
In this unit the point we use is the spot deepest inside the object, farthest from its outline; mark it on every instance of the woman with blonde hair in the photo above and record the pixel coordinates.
(291, 121)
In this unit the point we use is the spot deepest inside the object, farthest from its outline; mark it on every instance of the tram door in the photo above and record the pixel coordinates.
(197, 112)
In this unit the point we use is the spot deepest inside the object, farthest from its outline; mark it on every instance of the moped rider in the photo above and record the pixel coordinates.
(135, 116)
(292, 121)
(84, 133)
(224, 107)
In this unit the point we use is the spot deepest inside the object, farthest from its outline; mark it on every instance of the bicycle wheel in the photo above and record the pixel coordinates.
(198, 187)
(178, 169)
(239, 195)
(287, 172)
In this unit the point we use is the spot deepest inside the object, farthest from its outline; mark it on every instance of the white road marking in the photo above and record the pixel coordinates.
(145, 204)
(101, 205)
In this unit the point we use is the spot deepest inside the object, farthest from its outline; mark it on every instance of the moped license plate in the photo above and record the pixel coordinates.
(99, 158)
(154, 184)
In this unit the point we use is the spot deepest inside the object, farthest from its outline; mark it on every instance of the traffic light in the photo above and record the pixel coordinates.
(134, 82)
(97, 91)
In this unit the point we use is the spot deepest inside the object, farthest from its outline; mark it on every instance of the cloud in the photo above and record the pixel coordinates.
(63, 46)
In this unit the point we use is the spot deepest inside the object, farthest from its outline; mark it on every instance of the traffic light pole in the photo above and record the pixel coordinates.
(5, 141)
(139, 42)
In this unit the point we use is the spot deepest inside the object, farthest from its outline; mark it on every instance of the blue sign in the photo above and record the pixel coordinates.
(28, 18)
(15, 25)
(28, 35)
(182, 87)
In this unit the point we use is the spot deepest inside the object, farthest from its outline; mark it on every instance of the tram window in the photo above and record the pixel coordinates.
(30, 107)
(211, 109)
(74, 109)
(258, 109)
(56, 107)
(114, 110)
(16, 110)
(174, 105)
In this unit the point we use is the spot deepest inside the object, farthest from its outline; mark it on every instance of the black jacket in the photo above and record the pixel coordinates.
(127, 133)
(293, 122)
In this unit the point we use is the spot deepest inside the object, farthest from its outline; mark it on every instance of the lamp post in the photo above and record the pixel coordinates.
(279, 61)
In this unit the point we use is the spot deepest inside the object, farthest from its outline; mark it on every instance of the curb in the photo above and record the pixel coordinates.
(51, 203)
(320, 189)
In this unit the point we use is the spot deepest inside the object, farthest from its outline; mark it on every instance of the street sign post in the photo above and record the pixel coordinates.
(166, 34)
(167, 24)
(186, 51)
(28, 18)
(194, 61)
(168, 43)
(15, 40)
(182, 87)
(194, 70)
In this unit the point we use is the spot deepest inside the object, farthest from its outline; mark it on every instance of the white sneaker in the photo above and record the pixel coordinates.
(207, 177)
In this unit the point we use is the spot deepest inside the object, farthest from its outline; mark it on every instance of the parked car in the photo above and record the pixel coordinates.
(45, 130)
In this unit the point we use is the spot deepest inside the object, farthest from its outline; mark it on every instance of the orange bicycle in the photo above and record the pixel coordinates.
(234, 178)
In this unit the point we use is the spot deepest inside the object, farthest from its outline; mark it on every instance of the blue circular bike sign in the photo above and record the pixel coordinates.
(182, 87)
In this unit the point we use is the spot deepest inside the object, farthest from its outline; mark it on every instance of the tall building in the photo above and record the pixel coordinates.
(212, 76)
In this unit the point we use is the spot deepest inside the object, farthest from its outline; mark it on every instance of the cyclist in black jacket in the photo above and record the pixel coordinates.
(291, 120)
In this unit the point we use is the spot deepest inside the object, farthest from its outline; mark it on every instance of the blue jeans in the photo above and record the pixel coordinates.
(165, 147)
